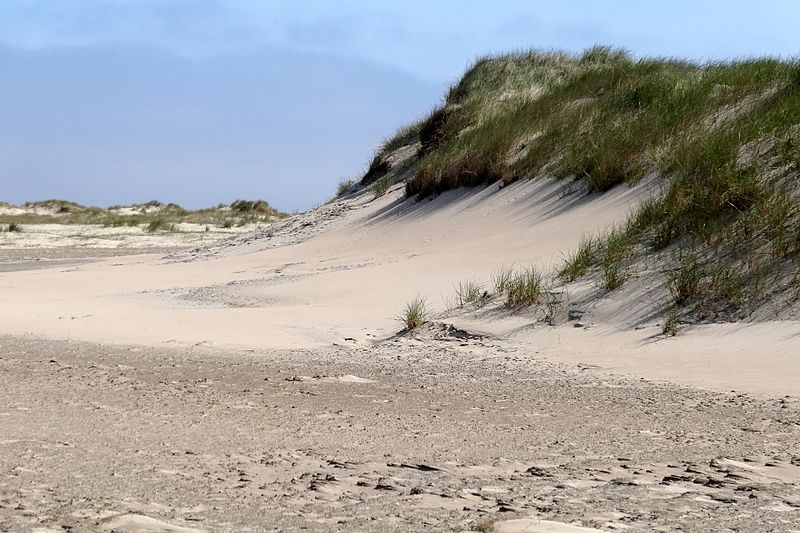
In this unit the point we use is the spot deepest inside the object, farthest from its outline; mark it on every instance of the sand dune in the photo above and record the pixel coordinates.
(345, 271)
(258, 384)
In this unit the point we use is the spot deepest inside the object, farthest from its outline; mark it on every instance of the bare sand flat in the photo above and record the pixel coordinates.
(258, 385)
(438, 432)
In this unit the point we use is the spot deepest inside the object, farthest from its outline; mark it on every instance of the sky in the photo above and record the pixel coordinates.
(200, 102)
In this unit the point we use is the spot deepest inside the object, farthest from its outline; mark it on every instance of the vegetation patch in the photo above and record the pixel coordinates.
(578, 262)
(501, 279)
(684, 282)
(670, 327)
(158, 224)
(525, 288)
(152, 215)
(345, 186)
(382, 186)
(723, 139)
(414, 314)
(471, 292)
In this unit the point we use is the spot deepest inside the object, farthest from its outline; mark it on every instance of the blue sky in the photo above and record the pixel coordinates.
(201, 102)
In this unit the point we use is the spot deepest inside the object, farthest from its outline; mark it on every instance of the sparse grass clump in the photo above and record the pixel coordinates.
(613, 276)
(485, 525)
(470, 292)
(617, 247)
(727, 287)
(158, 224)
(501, 279)
(578, 262)
(525, 288)
(684, 283)
(381, 186)
(670, 326)
(14, 228)
(344, 187)
(414, 315)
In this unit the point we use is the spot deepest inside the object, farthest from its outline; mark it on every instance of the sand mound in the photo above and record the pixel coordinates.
(342, 273)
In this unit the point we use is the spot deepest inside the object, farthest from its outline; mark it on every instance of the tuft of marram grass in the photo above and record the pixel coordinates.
(525, 288)
(381, 186)
(14, 228)
(578, 262)
(684, 283)
(613, 276)
(470, 292)
(158, 224)
(344, 187)
(670, 326)
(485, 525)
(501, 278)
(414, 314)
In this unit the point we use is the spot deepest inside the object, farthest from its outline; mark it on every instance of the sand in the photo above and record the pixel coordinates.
(258, 384)
(435, 432)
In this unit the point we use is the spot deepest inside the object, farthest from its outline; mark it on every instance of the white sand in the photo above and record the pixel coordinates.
(353, 278)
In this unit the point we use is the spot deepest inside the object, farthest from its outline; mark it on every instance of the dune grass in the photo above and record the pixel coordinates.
(152, 215)
(158, 224)
(501, 279)
(578, 262)
(414, 314)
(344, 187)
(684, 283)
(723, 138)
(470, 292)
(382, 185)
(670, 326)
(525, 288)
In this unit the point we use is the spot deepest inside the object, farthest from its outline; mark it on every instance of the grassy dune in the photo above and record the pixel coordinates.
(154, 215)
(723, 138)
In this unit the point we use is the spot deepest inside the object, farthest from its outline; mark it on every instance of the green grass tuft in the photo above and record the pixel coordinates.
(470, 292)
(613, 276)
(414, 314)
(578, 262)
(525, 288)
(501, 279)
(158, 224)
(684, 283)
(381, 186)
(670, 326)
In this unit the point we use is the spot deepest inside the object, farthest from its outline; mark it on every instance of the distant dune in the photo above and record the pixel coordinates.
(63, 224)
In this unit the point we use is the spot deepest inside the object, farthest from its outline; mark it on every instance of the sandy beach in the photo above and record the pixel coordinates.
(439, 431)
(260, 384)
